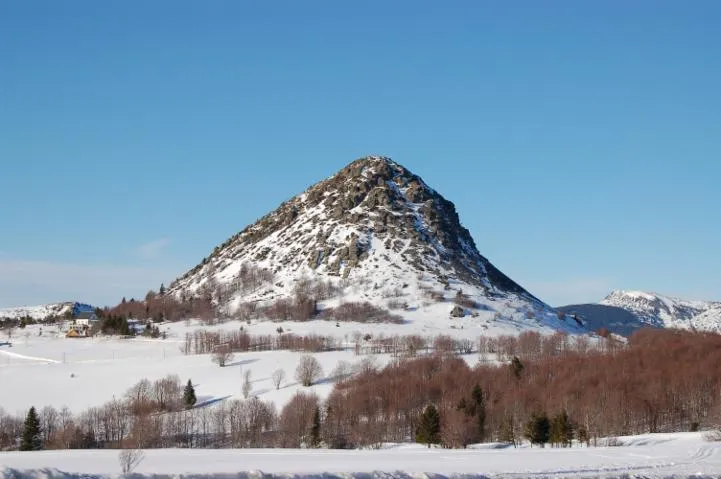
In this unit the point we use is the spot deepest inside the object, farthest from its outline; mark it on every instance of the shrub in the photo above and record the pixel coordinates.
(361, 312)
(130, 459)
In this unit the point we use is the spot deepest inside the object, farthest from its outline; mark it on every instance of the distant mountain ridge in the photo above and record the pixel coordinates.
(625, 311)
(38, 313)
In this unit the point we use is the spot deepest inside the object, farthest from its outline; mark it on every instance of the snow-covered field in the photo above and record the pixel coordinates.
(82, 372)
(653, 455)
(79, 373)
(51, 370)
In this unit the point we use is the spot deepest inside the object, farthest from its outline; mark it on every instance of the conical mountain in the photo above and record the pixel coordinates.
(373, 232)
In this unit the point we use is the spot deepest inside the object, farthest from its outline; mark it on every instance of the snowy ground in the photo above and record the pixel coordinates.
(52, 370)
(654, 455)
(79, 373)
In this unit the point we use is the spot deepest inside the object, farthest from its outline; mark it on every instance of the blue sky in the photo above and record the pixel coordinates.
(580, 141)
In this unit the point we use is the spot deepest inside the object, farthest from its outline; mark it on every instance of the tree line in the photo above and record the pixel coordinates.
(659, 381)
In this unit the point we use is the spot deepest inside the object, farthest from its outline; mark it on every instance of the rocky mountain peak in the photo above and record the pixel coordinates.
(374, 230)
(372, 209)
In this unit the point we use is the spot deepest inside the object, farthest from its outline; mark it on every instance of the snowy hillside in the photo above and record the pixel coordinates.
(623, 312)
(375, 233)
(36, 312)
(667, 312)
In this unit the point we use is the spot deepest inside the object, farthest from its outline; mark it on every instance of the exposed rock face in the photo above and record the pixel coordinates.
(373, 226)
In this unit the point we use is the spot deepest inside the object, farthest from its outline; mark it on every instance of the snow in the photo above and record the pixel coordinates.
(289, 245)
(88, 372)
(79, 373)
(652, 455)
(35, 312)
(668, 312)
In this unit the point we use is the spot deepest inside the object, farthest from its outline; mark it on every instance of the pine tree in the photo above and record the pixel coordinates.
(561, 430)
(583, 436)
(31, 440)
(429, 429)
(507, 433)
(315, 429)
(538, 429)
(480, 410)
(516, 367)
(189, 398)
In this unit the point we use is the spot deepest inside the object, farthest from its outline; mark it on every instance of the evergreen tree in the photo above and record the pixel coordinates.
(561, 430)
(538, 429)
(161, 291)
(315, 429)
(479, 404)
(189, 398)
(31, 440)
(516, 367)
(583, 436)
(429, 429)
(507, 433)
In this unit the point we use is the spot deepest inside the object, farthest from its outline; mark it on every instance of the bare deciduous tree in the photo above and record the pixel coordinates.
(247, 386)
(167, 393)
(130, 459)
(342, 371)
(296, 420)
(278, 376)
(308, 370)
(222, 355)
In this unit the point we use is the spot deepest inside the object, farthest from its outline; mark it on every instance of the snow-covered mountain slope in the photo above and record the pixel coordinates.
(37, 313)
(598, 316)
(623, 312)
(667, 312)
(374, 232)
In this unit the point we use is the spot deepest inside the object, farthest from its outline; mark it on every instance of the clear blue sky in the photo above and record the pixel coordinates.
(580, 141)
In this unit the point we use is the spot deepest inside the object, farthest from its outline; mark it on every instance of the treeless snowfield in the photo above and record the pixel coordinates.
(653, 455)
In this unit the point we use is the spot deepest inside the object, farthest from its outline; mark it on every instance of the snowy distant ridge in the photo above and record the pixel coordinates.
(668, 312)
(623, 312)
(38, 313)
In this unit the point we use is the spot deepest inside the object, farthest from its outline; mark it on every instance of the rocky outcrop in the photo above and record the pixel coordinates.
(373, 215)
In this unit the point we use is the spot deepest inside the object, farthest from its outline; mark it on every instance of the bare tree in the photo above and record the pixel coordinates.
(278, 376)
(308, 370)
(343, 370)
(247, 386)
(130, 459)
(49, 420)
(140, 397)
(296, 420)
(222, 355)
(167, 393)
